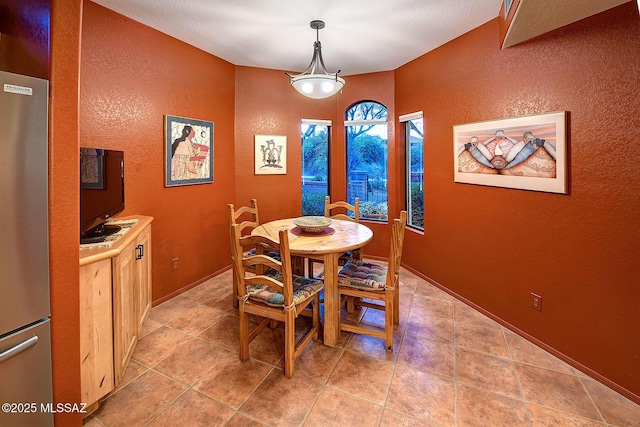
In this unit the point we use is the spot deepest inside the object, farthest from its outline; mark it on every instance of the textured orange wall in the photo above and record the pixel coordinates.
(494, 246)
(63, 205)
(24, 37)
(132, 76)
(266, 104)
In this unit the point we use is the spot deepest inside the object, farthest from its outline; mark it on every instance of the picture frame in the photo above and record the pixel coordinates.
(270, 155)
(527, 153)
(91, 169)
(188, 151)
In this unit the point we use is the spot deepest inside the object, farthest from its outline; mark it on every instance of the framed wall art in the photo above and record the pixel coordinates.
(188, 151)
(270, 155)
(527, 153)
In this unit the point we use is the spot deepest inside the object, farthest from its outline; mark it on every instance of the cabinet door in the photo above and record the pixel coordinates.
(125, 321)
(143, 276)
(96, 339)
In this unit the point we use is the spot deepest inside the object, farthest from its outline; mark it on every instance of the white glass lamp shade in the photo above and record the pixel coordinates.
(317, 86)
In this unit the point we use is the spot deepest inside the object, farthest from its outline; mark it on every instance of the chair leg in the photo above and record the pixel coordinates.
(316, 317)
(389, 315)
(244, 336)
(234, 294)
(396, 307)
(289, 343)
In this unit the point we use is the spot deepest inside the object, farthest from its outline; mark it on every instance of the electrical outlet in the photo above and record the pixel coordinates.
(536, 301)
(174, 264)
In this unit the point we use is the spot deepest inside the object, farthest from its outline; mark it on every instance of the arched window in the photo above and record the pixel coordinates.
(367, 158)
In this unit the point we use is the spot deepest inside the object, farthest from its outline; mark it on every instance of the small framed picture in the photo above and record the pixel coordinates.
(270, 155)
(188, 151)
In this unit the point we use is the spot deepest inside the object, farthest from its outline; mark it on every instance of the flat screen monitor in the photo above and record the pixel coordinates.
(101, 192)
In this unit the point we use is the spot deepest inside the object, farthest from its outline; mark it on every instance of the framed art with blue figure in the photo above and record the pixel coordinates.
(188, 151)
(527, 153)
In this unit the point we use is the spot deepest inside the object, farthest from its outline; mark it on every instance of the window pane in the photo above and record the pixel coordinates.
(315, 168)
(414, 143)
(367, 160)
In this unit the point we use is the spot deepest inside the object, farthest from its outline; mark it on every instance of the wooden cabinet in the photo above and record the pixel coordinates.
(115, 295)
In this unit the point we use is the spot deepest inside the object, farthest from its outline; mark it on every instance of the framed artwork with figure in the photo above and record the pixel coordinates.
(270, 155)
(188, 151)
(527, 153)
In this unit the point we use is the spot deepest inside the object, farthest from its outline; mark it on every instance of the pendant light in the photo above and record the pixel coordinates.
(316, 82)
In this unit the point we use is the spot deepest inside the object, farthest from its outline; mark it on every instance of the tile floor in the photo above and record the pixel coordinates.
(451, 367)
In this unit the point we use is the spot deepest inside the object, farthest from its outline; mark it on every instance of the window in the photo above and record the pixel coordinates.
(315, 165)
(367, 159)
(414, 181)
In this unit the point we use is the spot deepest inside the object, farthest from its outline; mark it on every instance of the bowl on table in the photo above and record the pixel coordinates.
(312, 224)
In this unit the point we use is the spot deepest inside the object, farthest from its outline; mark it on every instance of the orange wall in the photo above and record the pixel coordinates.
(494, 246)
(63, 204)
(266, 104)
(24, 37)
(132, 76)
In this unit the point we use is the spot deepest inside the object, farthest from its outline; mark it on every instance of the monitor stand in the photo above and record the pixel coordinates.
(99, 234)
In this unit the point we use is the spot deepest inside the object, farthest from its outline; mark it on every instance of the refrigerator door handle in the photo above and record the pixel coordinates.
(14, 351)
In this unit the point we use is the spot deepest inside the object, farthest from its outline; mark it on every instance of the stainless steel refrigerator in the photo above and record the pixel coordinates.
(25, 346)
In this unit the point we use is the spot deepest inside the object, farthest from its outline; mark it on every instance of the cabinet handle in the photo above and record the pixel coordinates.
(140, 249)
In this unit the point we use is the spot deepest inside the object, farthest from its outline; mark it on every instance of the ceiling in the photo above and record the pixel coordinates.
(361, 36)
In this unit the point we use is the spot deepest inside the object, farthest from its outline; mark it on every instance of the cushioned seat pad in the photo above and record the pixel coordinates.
(271, 254)
(363, 275)
(303, 288)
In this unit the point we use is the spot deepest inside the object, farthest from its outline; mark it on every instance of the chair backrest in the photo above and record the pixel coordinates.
(395, 252)
(242, 260)
(342, 206)
(246, 216)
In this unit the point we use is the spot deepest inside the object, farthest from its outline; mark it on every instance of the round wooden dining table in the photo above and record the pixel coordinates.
(339, 237)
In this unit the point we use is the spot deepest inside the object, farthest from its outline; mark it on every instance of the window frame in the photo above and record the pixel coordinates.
(407, 120)
(383, 218)
(327, 124)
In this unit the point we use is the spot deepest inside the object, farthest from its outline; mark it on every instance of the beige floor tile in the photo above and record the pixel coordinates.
(556, 390)
(432, 307)
(281, 401)
(429, 328)
(615, 409)
(159, 344)
(488, 372)
(427, 356)
(394, 419)
(480, 338)
(465, 314)
(529, 353)
(375, 347)
(140, 401)
(190, 361)
(197, 319)
(424, 396)
(171, 309)
(477, 407)
(363, 376)
(547, 417)
(194, 410)
(232, 381)
(317, 361)
(335, 408)
(224, 333)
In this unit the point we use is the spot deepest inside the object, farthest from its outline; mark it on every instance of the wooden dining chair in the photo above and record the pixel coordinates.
(277, 295)
(247, 219)
(376, 286)
(339, 210)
